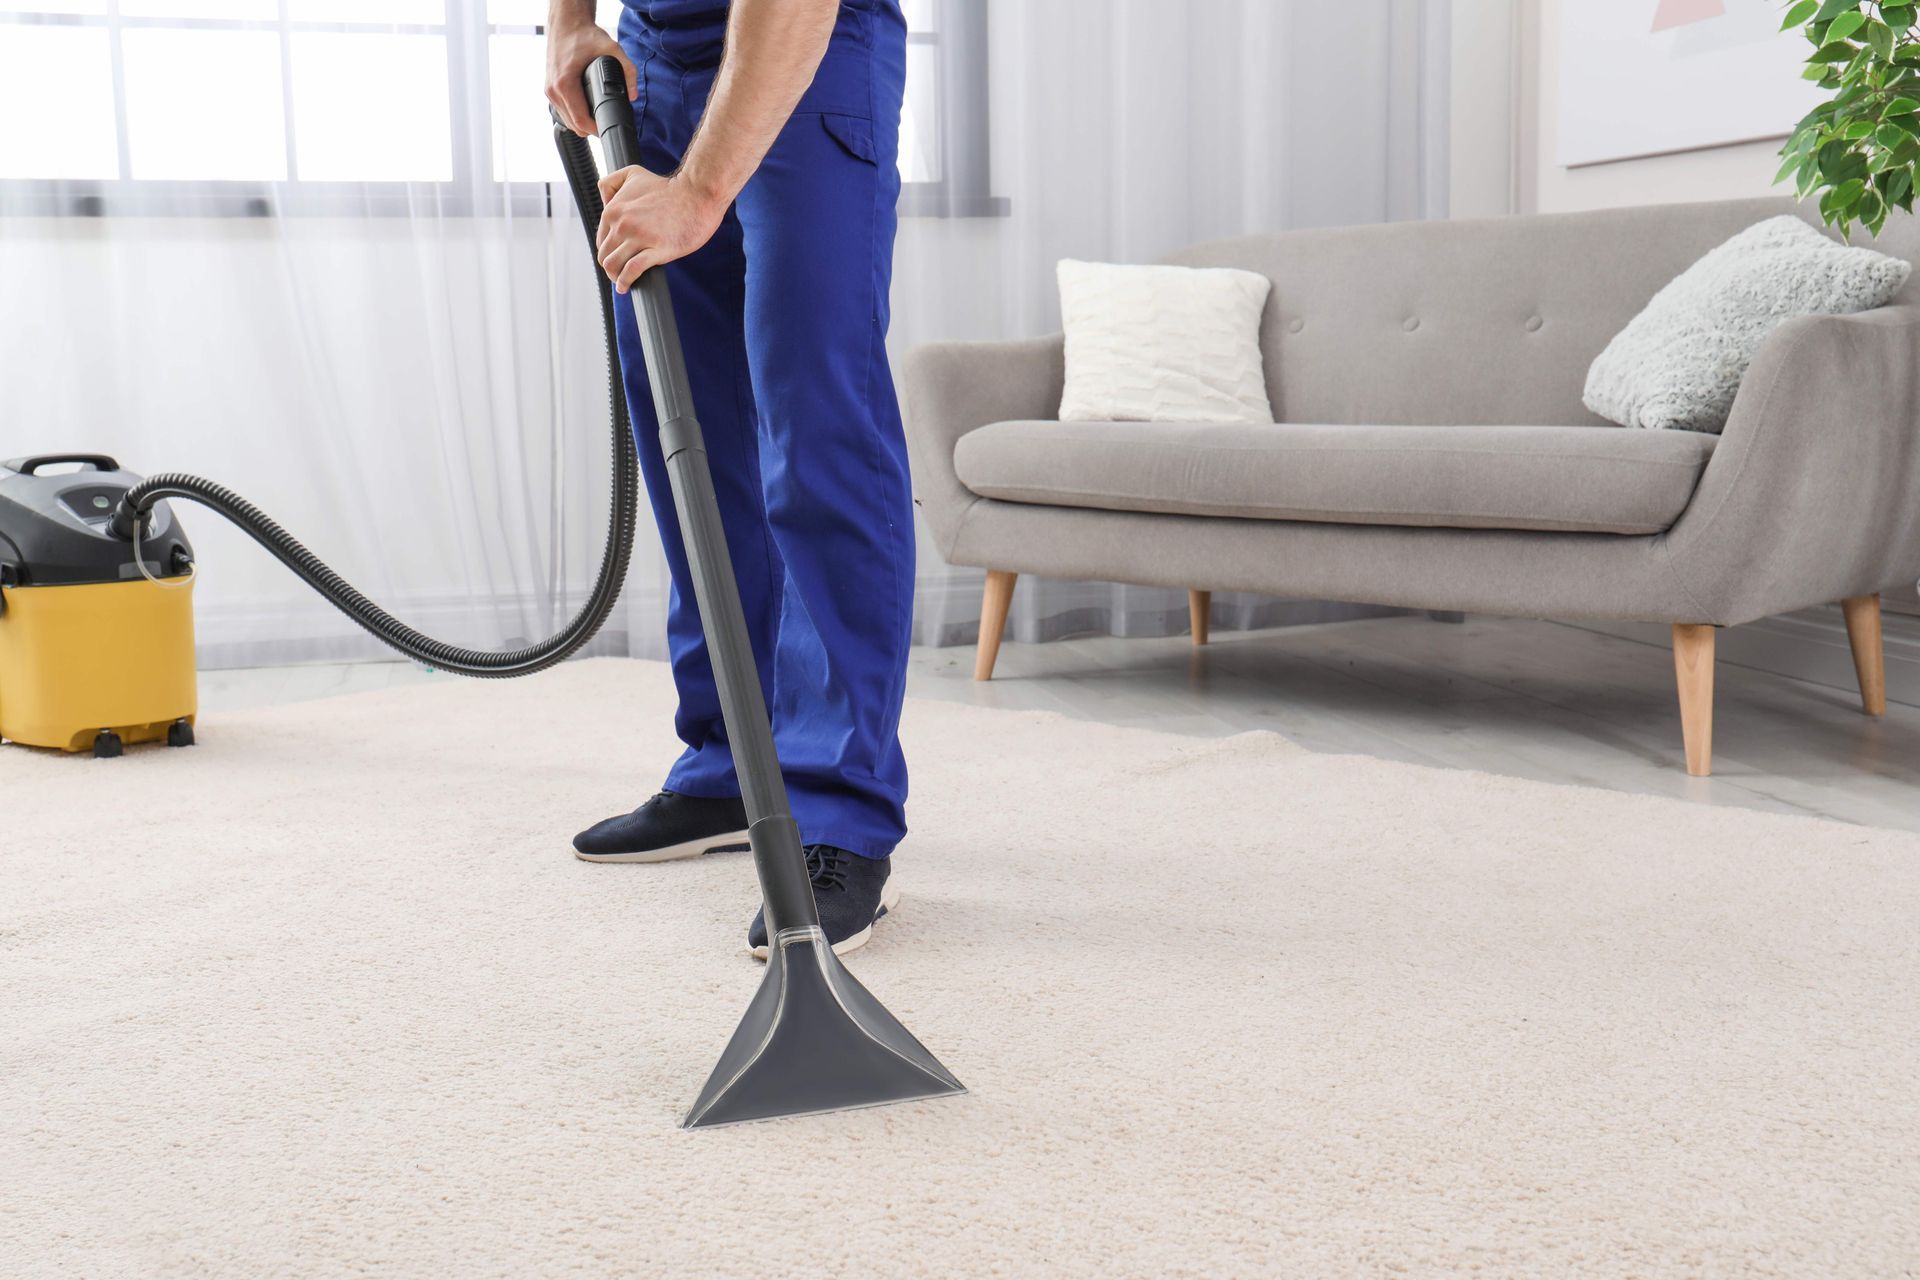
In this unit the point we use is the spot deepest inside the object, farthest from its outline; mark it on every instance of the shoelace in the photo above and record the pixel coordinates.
(826, 867)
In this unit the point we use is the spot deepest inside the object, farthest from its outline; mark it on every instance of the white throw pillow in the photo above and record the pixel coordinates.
(1162, 344)
(1679, 362)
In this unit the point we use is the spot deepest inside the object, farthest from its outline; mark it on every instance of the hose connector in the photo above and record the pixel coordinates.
(126, 518)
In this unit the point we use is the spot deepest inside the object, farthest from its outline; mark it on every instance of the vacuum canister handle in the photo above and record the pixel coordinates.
(27, 466)
(605, 83)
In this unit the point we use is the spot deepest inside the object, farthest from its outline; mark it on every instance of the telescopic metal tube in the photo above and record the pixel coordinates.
(777, 854)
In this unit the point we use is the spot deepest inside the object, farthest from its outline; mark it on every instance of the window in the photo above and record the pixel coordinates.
(943, 128)
(216, 107)
(258, 107)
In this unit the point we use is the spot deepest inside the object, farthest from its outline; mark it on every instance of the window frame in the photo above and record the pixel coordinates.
(961, 121)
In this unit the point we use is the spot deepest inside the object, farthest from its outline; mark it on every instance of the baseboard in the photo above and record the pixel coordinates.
(308, 630)
(1809, 645)
(947, 611)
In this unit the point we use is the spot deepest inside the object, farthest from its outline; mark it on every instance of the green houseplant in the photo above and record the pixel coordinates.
(1859, 149)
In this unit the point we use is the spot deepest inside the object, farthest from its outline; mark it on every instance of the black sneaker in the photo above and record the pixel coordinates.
(852, 893)
(667, 827)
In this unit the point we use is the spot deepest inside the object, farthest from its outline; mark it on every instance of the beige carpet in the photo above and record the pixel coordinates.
(327, 995)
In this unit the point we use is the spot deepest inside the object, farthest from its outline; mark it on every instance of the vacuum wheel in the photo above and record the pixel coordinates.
(180, 734)
(106, 745)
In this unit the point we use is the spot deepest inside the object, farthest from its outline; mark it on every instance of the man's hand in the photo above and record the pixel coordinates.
(773, 49)
(572, 42)
(649, 220)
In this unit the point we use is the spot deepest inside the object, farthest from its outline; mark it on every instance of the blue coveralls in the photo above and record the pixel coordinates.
(784, 318)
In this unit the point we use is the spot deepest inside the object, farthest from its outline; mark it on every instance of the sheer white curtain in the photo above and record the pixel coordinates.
(313, 249)
(418, 397)
(1122, 130)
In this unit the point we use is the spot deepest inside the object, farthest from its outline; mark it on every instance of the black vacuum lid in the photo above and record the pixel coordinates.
(53, 524)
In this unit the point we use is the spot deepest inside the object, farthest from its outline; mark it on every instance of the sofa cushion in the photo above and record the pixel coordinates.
(1680, 361)
(1162, 344)
(1575, 479)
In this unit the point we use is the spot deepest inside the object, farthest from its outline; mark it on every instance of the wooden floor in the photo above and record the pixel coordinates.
(1530, 699)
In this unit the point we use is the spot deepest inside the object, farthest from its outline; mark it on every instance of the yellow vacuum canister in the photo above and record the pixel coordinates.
(94, 653)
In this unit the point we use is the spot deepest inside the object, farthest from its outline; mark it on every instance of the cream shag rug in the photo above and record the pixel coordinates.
(327, 995)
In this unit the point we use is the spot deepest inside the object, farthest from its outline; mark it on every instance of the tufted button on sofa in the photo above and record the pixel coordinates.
(1431, 450)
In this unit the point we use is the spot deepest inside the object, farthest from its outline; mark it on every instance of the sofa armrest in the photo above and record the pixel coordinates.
(954, 387)
(1813, 493)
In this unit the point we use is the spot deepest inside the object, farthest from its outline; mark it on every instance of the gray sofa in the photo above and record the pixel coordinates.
(1432, 451)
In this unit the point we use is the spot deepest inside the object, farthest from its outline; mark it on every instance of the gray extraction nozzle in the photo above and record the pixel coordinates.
(814, 1040)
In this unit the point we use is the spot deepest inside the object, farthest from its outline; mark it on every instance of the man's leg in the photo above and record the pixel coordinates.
(818, 222)
(708, 289)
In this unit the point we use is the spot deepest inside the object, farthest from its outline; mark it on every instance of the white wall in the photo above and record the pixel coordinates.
(1484, 108)
(1713, 173)
(1505, 106)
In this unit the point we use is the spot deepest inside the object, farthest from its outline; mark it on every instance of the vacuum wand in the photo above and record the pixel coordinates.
(813, 1039)
(605, 84)
(775, 836)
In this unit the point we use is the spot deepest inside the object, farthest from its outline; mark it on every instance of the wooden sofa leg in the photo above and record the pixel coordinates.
(993, 620)
(1869, 651)
(1198, 605)
(1693, 669)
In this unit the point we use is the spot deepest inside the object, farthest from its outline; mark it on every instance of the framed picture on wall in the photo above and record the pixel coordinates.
(1644, 77)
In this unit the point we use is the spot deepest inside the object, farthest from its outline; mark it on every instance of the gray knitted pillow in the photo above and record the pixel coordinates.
(1679, 362)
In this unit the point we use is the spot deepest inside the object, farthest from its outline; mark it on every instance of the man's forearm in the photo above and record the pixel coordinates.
(562, 12)
(773, 49)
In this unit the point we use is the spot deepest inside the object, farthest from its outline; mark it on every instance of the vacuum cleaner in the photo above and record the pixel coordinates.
(96, 647)
(92, 653)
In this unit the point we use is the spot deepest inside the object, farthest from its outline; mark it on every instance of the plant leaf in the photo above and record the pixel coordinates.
(1870, 208)
(1845, 25)
(1800, 13)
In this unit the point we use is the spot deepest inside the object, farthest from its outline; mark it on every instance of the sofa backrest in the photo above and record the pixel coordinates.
(1486, 321)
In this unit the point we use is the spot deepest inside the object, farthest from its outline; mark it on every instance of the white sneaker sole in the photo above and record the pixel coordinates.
(671, 852)
(889, 899)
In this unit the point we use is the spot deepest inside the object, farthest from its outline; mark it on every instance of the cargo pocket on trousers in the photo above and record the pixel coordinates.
(854, 134)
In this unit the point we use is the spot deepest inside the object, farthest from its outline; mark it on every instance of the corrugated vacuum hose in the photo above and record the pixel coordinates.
(583, 177)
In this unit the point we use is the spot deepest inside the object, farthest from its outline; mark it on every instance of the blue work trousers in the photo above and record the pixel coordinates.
(783, 315)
